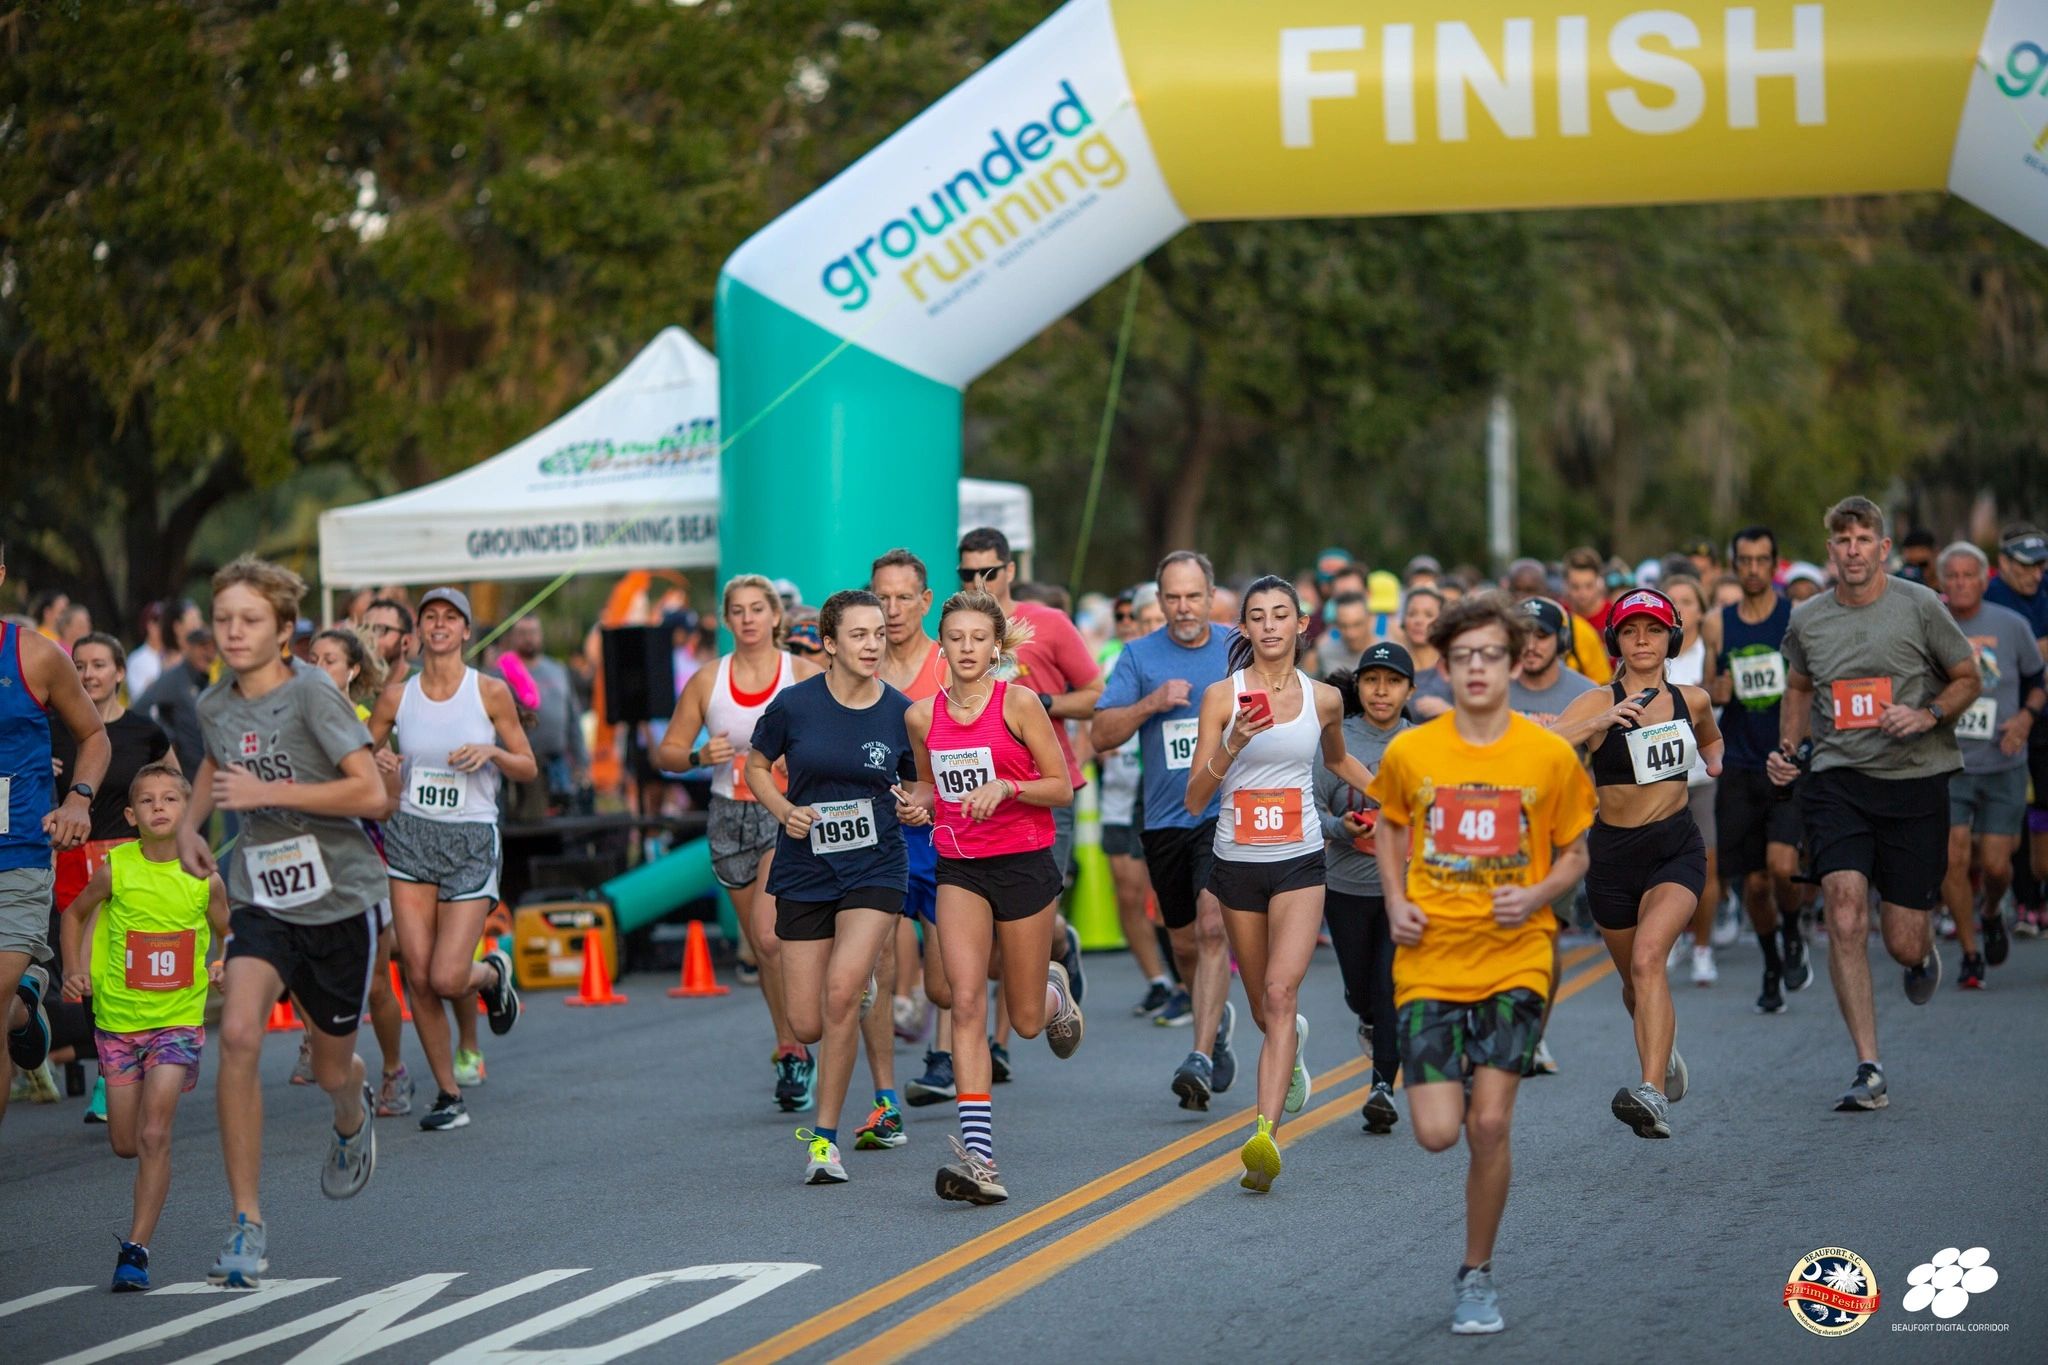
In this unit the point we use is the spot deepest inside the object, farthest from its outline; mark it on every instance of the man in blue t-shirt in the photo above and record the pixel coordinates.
(1155, 692)
(2022, 551)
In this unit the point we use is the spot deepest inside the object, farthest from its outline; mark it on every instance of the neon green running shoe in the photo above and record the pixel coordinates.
(1261, 1157)
(469, 1068)
(824, 1168)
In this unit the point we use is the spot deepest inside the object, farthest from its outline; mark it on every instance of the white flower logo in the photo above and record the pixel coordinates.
(1946, 1282)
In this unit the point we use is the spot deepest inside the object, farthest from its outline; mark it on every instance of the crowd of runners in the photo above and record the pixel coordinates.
(1431, 774)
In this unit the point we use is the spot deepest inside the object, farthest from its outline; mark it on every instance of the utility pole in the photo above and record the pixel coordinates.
(1502, 540)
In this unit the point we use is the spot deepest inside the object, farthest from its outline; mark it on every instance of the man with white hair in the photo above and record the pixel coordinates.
(1987, 801)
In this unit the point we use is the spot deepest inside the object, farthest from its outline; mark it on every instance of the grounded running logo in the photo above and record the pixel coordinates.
(1832, 1292)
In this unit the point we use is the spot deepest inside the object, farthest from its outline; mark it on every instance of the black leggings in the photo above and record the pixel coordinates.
(1365, 955)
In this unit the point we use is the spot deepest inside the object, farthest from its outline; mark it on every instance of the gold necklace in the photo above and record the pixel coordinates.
(1281, 686)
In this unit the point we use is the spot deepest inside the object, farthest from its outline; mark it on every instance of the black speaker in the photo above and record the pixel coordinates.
(639, 674)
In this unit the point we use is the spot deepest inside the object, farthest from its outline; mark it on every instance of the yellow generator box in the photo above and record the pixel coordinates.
(547, 939)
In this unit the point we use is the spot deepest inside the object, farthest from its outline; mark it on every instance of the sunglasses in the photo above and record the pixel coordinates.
(968, 575)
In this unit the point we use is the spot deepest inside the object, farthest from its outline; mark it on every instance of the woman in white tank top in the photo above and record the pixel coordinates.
(724, 703)
(1261, 730)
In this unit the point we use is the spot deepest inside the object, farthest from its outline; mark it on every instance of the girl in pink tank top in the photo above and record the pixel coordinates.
(986, 748)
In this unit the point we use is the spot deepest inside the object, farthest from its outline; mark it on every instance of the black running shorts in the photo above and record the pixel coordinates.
(1626, 862)
(1015, 885)
(810, 921)
(327, 966)
(1892, 830)
(1751, 818)
(1249, 886)
(1178, 860)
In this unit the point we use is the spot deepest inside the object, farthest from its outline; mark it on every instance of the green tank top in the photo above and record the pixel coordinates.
(149, 949)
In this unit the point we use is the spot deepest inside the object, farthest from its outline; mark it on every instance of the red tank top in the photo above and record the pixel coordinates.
(966, 756)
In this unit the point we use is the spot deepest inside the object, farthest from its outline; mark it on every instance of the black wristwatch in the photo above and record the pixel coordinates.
(1045, 699)
(693, 759)
(84, 789)
(1933, 708)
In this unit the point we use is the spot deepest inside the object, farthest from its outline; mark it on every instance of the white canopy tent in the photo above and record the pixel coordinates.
(627, 479)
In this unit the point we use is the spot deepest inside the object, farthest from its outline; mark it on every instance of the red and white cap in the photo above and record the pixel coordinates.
(1644, 602)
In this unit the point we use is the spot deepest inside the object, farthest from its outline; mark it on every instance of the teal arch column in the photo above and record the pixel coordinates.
(861, 457)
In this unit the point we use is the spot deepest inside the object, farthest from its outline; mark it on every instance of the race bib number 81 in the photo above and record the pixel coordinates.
(1859, 702)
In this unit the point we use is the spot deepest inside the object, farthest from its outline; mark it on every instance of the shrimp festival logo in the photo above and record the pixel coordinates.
(1831, 1292)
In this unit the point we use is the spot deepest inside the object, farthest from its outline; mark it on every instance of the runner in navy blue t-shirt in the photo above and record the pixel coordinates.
(840, 872)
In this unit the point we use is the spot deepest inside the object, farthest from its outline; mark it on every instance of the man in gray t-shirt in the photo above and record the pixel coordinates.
(1987, 801)
(299, 732)
(1877, 673)
(1544, 686)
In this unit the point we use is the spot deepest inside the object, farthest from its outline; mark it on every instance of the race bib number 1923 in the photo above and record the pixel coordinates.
(1179, 738)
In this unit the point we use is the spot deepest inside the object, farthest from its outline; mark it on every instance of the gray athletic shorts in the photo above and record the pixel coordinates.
(459, 857)
(742, 833)
(25, 894)
(1063, 843)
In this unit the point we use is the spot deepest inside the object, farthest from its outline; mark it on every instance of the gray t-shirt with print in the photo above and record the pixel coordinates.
(1906, 642)
(2007, 656)
(1347, 868)
(304, 869)
(1545, 705)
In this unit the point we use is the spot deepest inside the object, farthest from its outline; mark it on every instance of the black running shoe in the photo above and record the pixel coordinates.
(1798, 966)
(448, 1112)
(1867, 1091)
(998, 1062)
(1923, 979)
(1996, 944)
(1772, 1001)
(1192, 1081)
(789, 1082)
(1972, 976)
(502, 1000)
(29, 1045)
(1379, 1112)
(1157, 994)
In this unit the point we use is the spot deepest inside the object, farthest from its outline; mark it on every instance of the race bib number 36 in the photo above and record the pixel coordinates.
(1858, 702)
(1477, 822)
(1758, 677)
(439, 791)
(1266, 816)
(1179, 737)
(843, 826)
(956, 772)
(160, 962)
(286, 874)
(1980, 721)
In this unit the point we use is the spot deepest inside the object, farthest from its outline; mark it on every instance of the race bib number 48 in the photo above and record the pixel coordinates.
(286, 874)
(1859, 702)
(1476, 822)
(1179, 737)
(439, 791)
(843, 826)
(160, 962)
(956, 772)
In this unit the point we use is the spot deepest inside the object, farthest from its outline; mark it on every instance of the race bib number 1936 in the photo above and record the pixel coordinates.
(843, 826)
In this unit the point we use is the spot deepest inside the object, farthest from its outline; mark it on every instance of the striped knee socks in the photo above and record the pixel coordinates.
(977, 1125)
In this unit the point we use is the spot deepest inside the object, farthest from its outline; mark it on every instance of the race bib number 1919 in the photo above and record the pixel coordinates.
(439, 791)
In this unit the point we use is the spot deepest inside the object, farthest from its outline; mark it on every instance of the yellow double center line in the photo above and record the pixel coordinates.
(971, 1302)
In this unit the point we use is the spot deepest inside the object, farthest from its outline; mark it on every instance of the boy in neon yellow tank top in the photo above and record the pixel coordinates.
(151, 927)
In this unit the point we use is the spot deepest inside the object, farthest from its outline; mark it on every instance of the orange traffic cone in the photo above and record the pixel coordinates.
(597, 980)
(282, 1019)
(697, 977)
(398, 989)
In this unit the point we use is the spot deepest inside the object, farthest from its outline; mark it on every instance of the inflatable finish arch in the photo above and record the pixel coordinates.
(1116, 122)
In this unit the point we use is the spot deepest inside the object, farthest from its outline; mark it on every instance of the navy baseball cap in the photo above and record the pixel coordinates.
(1546, 615)
(1390, 656)
(2025, 546)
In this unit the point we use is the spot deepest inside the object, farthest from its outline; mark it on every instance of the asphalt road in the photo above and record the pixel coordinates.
(627, 1189)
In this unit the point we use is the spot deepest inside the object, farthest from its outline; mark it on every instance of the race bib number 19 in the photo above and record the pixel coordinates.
(286, 874)
(843, 826)
(1859, 702)
(1179, 737)
(160, 962)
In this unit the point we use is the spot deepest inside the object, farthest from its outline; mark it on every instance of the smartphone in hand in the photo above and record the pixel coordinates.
(1258, 703)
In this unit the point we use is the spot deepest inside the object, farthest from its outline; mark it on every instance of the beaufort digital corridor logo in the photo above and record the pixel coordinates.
(1832, 1292)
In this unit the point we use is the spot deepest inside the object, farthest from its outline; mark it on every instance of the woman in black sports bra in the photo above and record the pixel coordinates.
(1649, 862)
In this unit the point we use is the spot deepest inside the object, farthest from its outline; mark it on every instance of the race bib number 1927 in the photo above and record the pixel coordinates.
(286, 874)
(1179, 738)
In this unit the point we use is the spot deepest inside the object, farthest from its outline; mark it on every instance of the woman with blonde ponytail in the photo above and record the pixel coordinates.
(997, 773)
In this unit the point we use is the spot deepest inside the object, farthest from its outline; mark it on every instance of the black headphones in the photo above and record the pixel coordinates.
(1673, 647)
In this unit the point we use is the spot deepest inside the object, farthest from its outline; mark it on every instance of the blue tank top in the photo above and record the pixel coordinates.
(24, 761)
(1752, 657)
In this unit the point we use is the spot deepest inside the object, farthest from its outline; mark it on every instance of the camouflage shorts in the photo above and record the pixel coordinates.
(1443, 1040)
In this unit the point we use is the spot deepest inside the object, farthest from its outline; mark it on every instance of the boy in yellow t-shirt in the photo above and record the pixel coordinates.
(150, 925)
(1483, 824)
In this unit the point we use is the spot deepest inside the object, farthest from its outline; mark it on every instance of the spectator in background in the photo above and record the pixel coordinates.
(74, 625)
(146, 661)
(1585, 586)
(172, 701)
(1349, 636)
(1585, 653)
(48, 608)
(1423, 571)
(1916, 558)
(1705, 557)
(557, 732)
(1802, 581)
(1223, 607)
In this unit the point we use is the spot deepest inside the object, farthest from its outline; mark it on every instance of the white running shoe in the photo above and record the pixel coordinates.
(1704, 972)
(1300, 1087)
